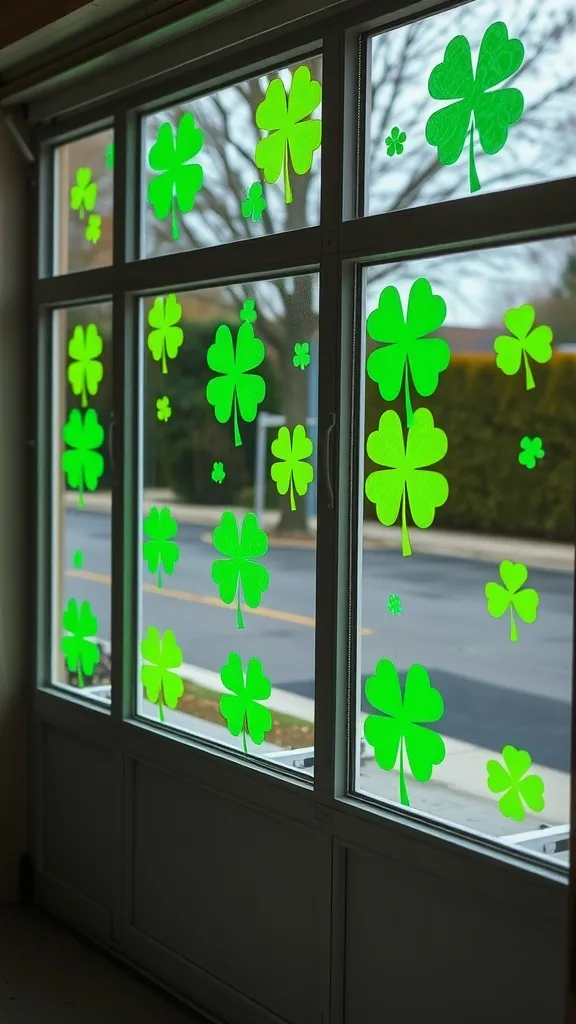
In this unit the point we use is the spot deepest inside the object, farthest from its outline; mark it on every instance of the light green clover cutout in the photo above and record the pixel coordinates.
(77, 559)
(82, 464)
(522, 342)
(163, 409)
(293, 136)
(511, 597)
(80, 652)
(530, 450)
(406, 478)
(218, 473)
(93, 231)
(85, 371)
(162, 685)
(255, 203)
(160, 551)
(238, 575)
(84, 193)
(407, 349)
(237, 392)
(241, 708)
(166, 337)
(399, 728)
(292, 473)
(475, 107)
(519, 788)
(301, 357)
(176, 185)
(395, 142)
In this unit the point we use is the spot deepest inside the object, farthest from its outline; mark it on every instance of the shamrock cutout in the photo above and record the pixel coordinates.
(248, 312)
(408, 351)
(93, 231)
(398, 728)
(511, 597)
(85, 371)
(109, 155)
(237, 391)
(240, 708)
(293, 135)
(530, 450)
(162, 685)
(536, 343)
(291, 473)
(238, 573)
(163, 409)
(167, 337)
(395, 142)
(301, 357)
(160, 552)
(178, 181)
(518, 787)
(84, 193)
(394, 605)
(82, 464)
(490, 113)
(426, 489)
(254, 204)
(80, 653)
(218, 472)
(77, 559)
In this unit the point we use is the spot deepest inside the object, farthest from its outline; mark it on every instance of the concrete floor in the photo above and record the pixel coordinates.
(46, 974)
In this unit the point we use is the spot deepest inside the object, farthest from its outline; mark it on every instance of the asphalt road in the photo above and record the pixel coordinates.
(495, 692)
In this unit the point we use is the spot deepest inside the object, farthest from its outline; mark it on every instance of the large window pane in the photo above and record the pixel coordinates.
(84, 203)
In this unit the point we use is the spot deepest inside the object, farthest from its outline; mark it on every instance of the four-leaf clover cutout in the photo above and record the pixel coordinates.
(524, 340)
(395, 142)
(80, 652)
(218, 472)
(530, 450)
(82, 464)
(93, 231)
(85, 372)
(238, 575)
(241, 708)
(160, 551)
(84, 193)
(476, 106)
(163, 409)
(293, 135)
(178, 181)
(519, 788)
(254, 204)
(407, 349)
(162, 685)
(166, 337)
(406, 477)
(292, 473)
(394, 605)
(511, 597)
(301, 357)
(237, 391)
(398, 729)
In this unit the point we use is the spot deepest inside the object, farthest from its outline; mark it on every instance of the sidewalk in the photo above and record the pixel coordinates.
(447, 543)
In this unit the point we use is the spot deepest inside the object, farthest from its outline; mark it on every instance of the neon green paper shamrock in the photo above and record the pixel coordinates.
(93, 231)
(398, 728)
(163, 409)
(395, 142)
(82, 464)
(167, 337)
(292, 473)
(426, 489)
(301, 357)
(238, 574)
(530, 450)
(77, 559)
(179, 181)
(240, 708)
(237, 391)
(525, 341)
(511, 597)
(248, 312)
(81, 654)
(394, 605)
(293, 135)
(85, 372)
(160, 552)
(218, 472)
(477, 107)
(408, 350)
(84, 193)
(162, 685)
(109, 155)
(254, 204)
(518, 787)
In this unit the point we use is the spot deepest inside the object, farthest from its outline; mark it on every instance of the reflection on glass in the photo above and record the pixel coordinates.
(467, 573)
(84, 203)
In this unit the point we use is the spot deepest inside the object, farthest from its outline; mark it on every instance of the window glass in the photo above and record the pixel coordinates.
(241, 162)
(84, 203)
(472, 100)
(81, 513)
(229, 515)
(467, 569)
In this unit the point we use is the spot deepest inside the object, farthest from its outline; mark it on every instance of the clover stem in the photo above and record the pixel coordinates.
(237, 437)
(408, 403)
(287, 185)
(513, 626)
(403, 791)
(164, 366)
(244, 744)
(80, 676)
(159, 578)
(239, 618)
(81, 497)
(530, 382)
(175, 231)
(84, 395)
(473, 174)
(406, 548)
(160, 711)
(292, 501)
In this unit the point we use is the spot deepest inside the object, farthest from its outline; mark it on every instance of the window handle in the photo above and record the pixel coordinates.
(328, 457)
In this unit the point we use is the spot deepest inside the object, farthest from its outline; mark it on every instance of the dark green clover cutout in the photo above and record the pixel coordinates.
(166, 337)
(237, 392)
(406, 480)
(238, 574)
(530, 450)
(84, 193)
(408, 352)
(109, 156)
(77, 559)
(293, 136)
(241, 708)
(255, 203)
(524, 340)
(475, 107)
(218, 472)
(160, 551)
(93, 231)
(511, 597)
(163, 686)
(80, 652)
(82, 464)
(395, 142)
(291, 473)
(176, 185)
(394, 605)
(398, 728)
(163, 409)
(520, 789)
(301, 357)
(85, 371)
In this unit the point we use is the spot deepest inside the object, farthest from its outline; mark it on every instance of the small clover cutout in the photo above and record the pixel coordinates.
(248, 313)
(524, 340)
(162, 685)
(218, 472)
(160, 551)
(395, 142)
(530, 450)
(241, 708)
(166, 337)
(84, 193)
(520, 789)
(77, 559)
(511, 597)
(394, 605)
(163, 409)
(238, 574)
(301, 357)
(93, 231)
(254, 204)
(178, 181)
(85, 371)
(80, 652)
(292, 473)
(109, 155)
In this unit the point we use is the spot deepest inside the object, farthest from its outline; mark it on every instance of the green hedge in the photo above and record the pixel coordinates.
(485, 414)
